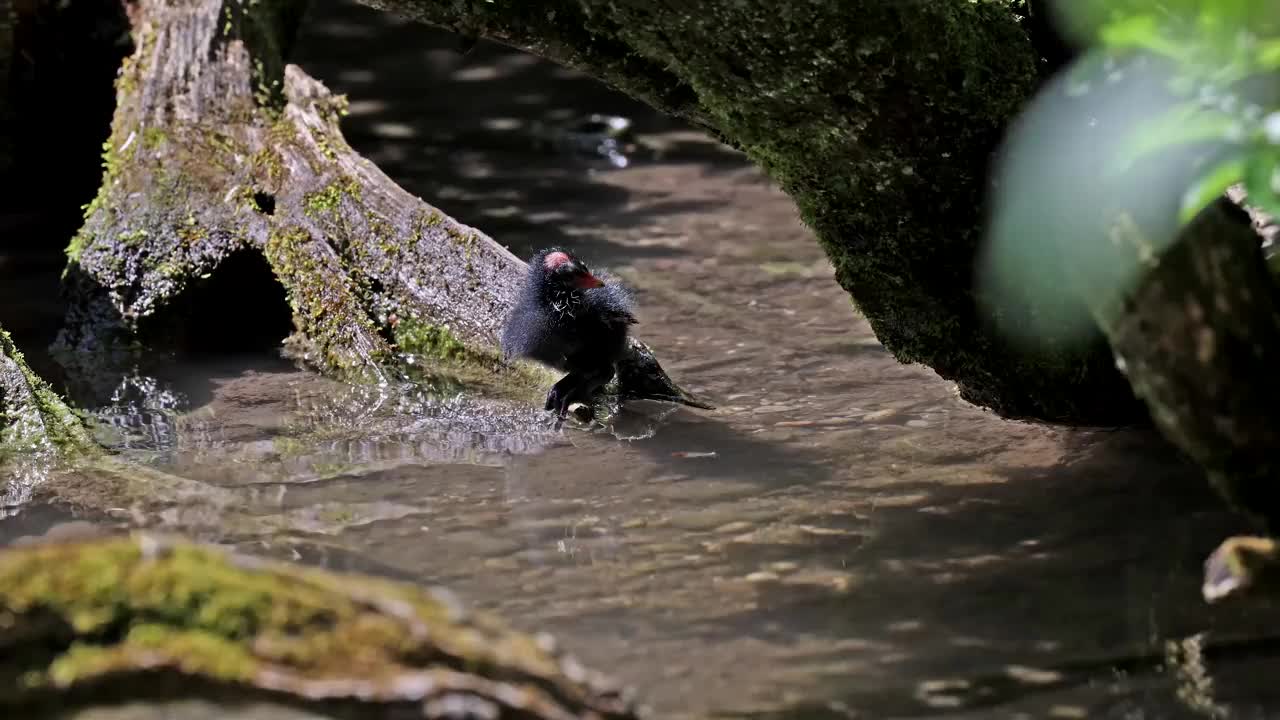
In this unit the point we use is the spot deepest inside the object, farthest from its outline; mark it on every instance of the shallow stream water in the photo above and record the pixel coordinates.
(841, 537)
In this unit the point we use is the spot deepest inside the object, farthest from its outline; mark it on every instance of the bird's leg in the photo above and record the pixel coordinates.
(576, 387)
(557, 397)
(586, 387)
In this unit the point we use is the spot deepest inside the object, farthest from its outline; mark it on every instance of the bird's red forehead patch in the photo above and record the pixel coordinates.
(556, 259)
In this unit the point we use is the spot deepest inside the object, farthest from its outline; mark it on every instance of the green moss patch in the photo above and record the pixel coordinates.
(132, 608)
(32, 416)
(437, 351)
(330, 198)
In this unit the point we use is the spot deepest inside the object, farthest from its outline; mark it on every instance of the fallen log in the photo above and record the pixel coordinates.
(228, 187)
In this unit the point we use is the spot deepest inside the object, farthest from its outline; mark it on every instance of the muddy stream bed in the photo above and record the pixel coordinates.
(841, 537)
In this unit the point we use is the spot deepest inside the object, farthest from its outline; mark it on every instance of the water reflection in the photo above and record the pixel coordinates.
(22, 476)
(139, 415)
(980, 567)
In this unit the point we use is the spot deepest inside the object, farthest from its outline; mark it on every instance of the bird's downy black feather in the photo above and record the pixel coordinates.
(582, 332)
(612, 302)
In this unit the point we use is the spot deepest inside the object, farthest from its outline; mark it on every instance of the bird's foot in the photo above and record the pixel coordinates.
(559, 401)
(562, 394)
(582, 412)
(573, 390)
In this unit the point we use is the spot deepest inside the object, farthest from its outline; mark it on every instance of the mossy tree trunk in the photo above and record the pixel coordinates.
(1198, 337)
(227, 179)
(878, 118)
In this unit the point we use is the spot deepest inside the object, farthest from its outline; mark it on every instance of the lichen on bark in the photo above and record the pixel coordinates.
(155, 617)
(1196, 336)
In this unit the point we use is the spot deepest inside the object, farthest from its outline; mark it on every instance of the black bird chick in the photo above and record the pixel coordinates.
(570, 320)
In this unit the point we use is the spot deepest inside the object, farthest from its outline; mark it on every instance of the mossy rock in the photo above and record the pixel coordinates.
(158, 618)
(33, 419)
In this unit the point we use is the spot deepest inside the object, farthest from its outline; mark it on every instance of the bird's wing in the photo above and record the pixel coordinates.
(618, 316)
(520, 336)
(613, 303)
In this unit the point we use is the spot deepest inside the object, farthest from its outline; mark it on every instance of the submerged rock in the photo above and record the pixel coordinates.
(154, 618)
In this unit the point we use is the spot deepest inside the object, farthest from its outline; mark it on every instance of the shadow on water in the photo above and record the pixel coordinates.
(491, 170)
(708, 447)
(956, 592)
(228, 323)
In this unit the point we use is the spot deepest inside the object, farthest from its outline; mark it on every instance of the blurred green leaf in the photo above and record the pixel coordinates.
(1260, 180)
(1141, 31)
(1231, 13)
(1047, 247)
(1186, 123)
(1211, 186)
(1267, 55)
(1163, 85)
(1085, 20)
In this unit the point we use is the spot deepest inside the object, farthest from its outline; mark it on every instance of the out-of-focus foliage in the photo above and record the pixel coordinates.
(1172, 102)
(1225, 55)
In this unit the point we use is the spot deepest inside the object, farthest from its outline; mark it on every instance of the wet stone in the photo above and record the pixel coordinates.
(195, 710)
(706, 520)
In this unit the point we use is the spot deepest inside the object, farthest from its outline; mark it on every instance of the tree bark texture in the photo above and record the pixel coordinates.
(1198, 338)
(227, 177)
(878, 118)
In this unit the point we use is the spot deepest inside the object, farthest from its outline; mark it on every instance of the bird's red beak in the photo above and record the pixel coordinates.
(587, 281)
